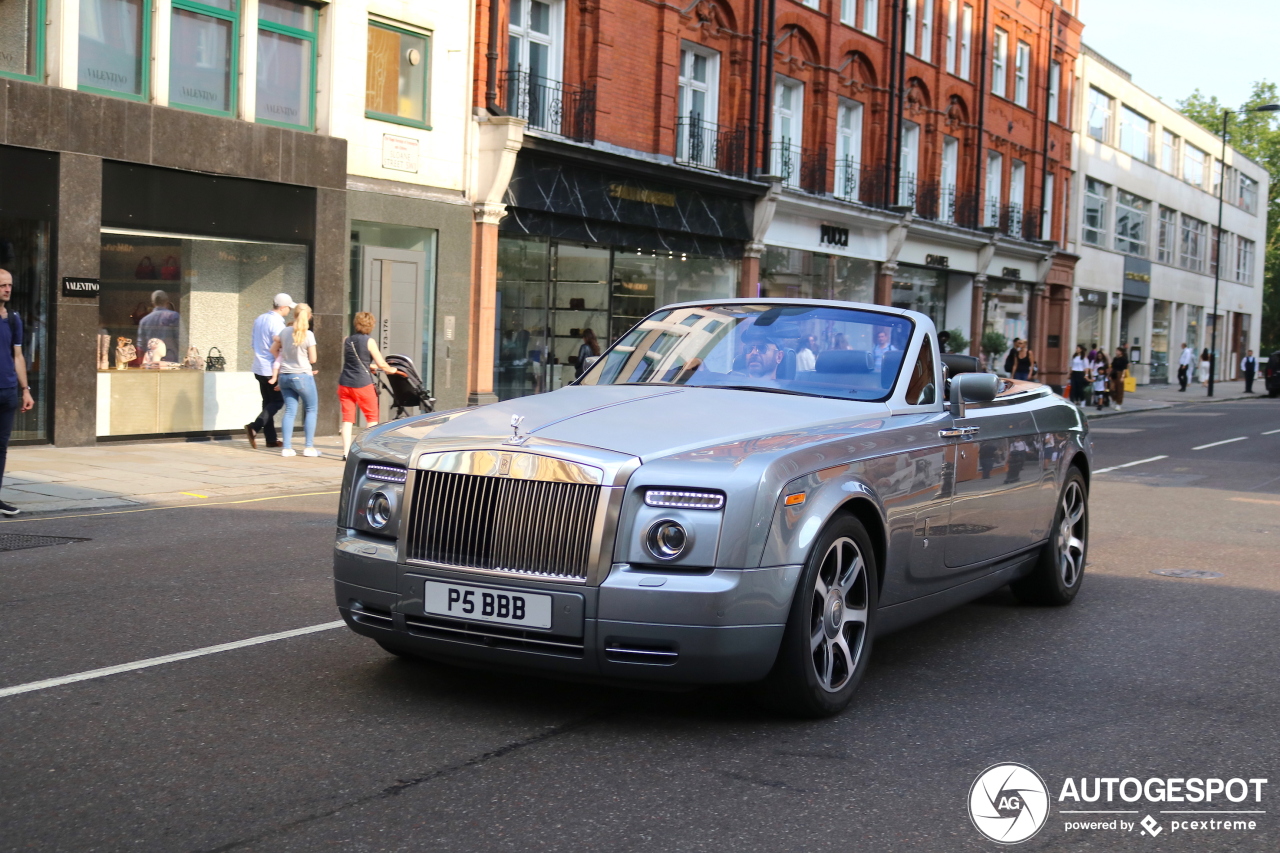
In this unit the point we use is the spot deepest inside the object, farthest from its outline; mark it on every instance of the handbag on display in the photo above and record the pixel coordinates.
(215, 363)
(145, 268)
(170, 270)
(577, 303)
(194, 360)
(125, 353)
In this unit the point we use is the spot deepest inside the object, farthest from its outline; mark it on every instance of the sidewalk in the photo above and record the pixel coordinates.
(1151, 397)
(45, 479)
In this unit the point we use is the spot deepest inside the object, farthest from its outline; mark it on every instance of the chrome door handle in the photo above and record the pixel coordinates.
(958, 432)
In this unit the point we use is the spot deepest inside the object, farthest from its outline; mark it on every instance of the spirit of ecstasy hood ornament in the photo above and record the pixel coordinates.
(516, 438)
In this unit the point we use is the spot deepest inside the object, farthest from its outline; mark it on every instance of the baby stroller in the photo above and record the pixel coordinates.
(405, 388)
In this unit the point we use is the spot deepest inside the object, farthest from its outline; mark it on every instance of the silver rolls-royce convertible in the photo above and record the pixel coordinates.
(735, 491)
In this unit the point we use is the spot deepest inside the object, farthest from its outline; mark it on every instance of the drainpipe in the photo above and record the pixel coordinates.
(491, 87)
(980, 165)
(752, 153)
(891, 135)
(769, 81)
(1044, 157)
(902, 100)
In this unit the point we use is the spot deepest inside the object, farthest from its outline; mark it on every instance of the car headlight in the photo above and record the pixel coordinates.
(667, 539)
(684, 498)
(376, 497)
(378, 511)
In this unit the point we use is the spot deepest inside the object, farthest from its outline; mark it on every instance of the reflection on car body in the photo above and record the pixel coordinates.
(704, 506)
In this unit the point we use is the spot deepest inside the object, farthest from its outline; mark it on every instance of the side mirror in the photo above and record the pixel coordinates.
(972, 388)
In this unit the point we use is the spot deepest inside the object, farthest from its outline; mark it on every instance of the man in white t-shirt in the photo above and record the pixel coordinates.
(265, 329)
(1185, 361)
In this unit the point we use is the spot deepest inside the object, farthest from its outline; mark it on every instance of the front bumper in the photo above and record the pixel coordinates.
(723, 626)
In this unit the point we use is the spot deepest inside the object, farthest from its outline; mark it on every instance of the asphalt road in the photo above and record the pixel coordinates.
(324, 742)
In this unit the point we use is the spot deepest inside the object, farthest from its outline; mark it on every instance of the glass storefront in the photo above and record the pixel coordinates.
(1161, 318)
(1195, 322)
(24, 252)
(923, 290)
(797, 274)
(176, 313)
(1089, 319)
(550, 293)
(1005, 309)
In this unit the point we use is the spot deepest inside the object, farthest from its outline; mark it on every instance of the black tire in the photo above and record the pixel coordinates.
(1273, 393)
(826, 646)
(1058, 572)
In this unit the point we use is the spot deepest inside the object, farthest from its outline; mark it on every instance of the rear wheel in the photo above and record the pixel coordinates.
(827, 641)
(1055, 580)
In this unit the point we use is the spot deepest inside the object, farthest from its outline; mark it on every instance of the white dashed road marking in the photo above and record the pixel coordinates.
(1130, 464)
(1224, 441)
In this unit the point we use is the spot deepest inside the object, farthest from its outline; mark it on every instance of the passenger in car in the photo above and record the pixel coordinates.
(883, 345)
(763, 355)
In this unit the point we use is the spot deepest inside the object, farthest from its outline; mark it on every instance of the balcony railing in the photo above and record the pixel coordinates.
(551, 105)
(708, 145)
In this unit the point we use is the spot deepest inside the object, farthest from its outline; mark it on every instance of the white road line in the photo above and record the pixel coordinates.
(1224, 441)
(143, 664)
(1271, 432)
(1130, 464)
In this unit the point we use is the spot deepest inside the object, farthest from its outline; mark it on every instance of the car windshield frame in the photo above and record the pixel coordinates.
(734, 345)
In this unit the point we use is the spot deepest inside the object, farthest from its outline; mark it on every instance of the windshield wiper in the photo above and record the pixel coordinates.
(756, 388)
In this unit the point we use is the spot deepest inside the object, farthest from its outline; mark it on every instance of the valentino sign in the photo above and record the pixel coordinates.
(86, 288)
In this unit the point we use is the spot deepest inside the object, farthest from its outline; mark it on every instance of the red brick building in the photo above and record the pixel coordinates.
(907, 152)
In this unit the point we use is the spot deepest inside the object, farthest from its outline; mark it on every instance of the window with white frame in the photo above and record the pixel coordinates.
(1017, 197)
(788, 121)
(1135, 134)
(1132, 223)
(991, 194)
(1166, 235)
(909, 28)
(1021, 74)
(1046, 212)
(1055, 90)
(849, 12)
(949, 178)
(1000, 63)
(1169, 152)
(953, 23)
(696, 121)
(871, 16)
(812, 4)
(1097, 196)
(1191, 251)
(966, 43)
(1244, 260)
(910, 163)
(848, 148)
(1248, 197)
(1100, 109)
(926, 31)
(534, 36)
(1194, 163)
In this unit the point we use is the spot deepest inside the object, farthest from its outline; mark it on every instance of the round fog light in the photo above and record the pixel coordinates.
(379, 510)
(667, 539)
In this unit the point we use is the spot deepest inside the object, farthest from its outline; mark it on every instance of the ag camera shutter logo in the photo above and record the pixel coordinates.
(1008, 803)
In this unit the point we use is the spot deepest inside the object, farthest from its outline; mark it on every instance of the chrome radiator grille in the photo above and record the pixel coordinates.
(502, 524)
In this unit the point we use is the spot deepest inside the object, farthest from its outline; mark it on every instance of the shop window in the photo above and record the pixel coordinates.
(917, 289)
(286, 63)
(396, 75)
(21, 38)
(25, 254)
(797, 274)
(115, 44)
(170, 306)
(203, 56)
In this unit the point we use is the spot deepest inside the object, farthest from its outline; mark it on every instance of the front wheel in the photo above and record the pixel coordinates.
(827, 641)
(1055, 580)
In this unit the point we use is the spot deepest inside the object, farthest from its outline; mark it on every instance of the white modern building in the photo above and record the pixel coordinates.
(1145, 213)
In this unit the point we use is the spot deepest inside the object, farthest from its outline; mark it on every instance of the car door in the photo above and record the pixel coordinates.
(995, 505)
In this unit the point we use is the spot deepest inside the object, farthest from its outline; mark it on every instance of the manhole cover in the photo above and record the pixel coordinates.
(19, 541)
(1186, 573)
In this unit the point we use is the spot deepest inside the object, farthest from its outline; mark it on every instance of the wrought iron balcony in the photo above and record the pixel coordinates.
(800, 168)
(708, 145)
(551, 105)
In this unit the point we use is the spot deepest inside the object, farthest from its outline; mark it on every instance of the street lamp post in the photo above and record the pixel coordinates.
(1217, 237)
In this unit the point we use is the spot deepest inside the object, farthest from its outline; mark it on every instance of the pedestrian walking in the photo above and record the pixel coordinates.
(1012, 357)
(1079, 368)
(15, 393)
(1119, 373)
(1185, 360)
(1100, 368)
(356, 382)
(589, 348)
(295, 345)
(1249, 367)
(1204, 367)
(265, 328)
(1024, 364)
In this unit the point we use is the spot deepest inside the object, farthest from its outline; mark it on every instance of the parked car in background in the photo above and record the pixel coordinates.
(696, 509)
(1271, 370)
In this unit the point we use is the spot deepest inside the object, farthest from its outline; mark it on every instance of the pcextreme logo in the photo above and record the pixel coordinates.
(1009, 803)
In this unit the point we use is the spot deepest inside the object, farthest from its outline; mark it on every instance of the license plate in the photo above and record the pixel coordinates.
(503, 606)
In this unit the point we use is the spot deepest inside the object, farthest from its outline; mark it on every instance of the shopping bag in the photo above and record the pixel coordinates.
(1130, 384)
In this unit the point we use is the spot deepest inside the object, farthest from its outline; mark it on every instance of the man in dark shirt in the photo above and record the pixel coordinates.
(15, 394)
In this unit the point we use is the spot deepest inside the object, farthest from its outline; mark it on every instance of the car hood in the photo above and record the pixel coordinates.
(647, 421)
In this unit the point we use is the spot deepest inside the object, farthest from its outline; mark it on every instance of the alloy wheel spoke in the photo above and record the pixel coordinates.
(841, 647)
(854, 615)
(828, 663)
(816, 638)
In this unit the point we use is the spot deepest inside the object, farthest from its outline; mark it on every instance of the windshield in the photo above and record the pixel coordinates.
(814, 350)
